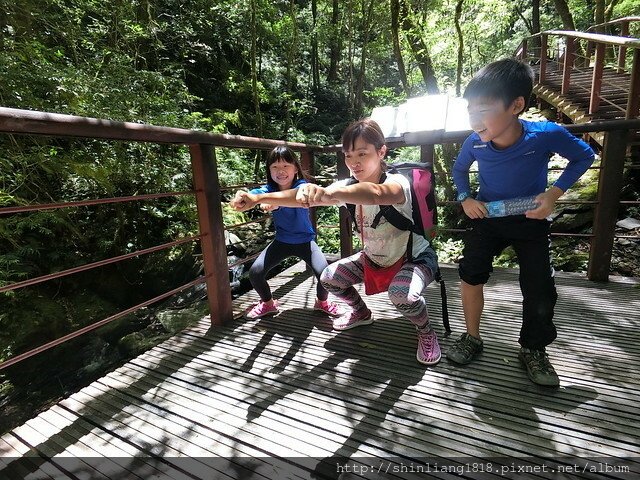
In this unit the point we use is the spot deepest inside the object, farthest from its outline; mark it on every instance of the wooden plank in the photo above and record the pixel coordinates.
(289, 386)
(371, 386)
(499, 374)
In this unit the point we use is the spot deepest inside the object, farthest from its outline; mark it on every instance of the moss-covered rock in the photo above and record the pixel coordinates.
(175, 320)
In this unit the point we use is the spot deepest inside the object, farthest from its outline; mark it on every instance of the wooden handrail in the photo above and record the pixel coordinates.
(601, 42)
(13, 120)
(593, 37)
(622, 21)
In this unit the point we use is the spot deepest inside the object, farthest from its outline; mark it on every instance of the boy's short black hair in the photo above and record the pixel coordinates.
(504, 80)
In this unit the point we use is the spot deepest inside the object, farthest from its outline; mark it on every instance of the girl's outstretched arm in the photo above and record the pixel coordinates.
(246, 201)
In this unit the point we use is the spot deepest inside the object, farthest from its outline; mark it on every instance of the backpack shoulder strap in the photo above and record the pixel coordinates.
(351, 208)
(395, 218)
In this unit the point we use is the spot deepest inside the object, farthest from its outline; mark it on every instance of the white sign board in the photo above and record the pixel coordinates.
(421, 114)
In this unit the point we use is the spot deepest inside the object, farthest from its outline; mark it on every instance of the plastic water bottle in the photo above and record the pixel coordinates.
(513, 206)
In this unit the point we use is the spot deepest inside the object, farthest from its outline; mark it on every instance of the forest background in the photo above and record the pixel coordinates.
(282, 69)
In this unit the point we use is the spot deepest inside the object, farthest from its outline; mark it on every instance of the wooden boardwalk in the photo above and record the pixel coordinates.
(287, 397)
(575, 103)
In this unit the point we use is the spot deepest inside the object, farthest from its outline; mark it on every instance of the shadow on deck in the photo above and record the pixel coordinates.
(287, 397)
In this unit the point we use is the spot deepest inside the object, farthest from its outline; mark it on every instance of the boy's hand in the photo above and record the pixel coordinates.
(546, 203)
(474, 208)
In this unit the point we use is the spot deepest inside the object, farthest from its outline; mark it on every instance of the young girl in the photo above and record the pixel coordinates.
(364, 148)
(294, 235)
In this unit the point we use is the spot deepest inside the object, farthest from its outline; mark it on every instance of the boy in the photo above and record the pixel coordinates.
(512, 156)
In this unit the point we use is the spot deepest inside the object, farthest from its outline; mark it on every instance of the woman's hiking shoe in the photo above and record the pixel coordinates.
(330, 308)
(262, 309)
(465, 349)
(539, 369)
(429, 352)
(353, 319)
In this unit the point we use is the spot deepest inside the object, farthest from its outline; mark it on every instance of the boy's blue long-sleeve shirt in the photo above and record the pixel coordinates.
(293, 225)
(521, 169)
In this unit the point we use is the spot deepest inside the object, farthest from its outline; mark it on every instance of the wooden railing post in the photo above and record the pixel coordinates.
(633, 100)
(427, 153)
(609, 186)
(543, 59)
(596, 81)
(346, 228)
(569, 54)
(622, 51)
(214, 250)
(524, 50)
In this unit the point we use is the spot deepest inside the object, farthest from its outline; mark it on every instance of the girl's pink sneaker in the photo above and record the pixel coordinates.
(262, 309)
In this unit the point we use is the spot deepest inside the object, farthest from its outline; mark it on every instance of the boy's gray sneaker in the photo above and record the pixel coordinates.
(539, 369)
(465, 349)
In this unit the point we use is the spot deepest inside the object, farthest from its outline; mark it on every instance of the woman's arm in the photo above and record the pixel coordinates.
(364, 193)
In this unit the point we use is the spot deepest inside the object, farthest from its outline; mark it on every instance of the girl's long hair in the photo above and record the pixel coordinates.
(287, 155)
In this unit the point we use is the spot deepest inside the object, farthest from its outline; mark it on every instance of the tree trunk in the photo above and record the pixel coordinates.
(568, 24)
(608, 13)
(456, 20)
(419, 49)
(335, 44)
(291, 59)
(254, 84)
(359, 91)
(598, 15)
(535, 24)
(565, 15)
(395, 33)
(315, 69)
(350, 91)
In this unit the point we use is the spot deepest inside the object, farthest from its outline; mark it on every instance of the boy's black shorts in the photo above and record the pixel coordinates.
(488, 237)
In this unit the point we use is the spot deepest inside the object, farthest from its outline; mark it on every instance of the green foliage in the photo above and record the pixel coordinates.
(449, 249)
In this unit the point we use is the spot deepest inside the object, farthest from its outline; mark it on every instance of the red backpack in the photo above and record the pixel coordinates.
(423, 213)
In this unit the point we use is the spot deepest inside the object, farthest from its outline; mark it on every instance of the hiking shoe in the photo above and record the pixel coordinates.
(353, 319)
(330, 308)
(465, 349)
(539, 369)
(429, 352)
(262, 309)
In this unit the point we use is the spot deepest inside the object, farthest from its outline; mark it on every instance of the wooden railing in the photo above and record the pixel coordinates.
(623, 24)
(207, 192)
(567, 56)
